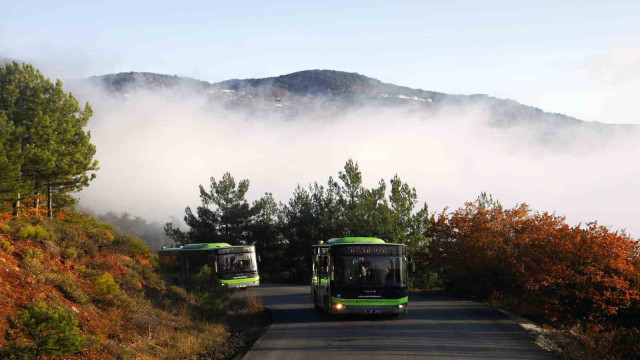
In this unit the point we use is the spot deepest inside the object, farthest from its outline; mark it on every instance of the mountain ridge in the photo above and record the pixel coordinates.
(342, 89)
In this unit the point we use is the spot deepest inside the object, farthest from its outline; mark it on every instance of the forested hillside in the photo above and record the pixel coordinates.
(125, 81)
(304, 92)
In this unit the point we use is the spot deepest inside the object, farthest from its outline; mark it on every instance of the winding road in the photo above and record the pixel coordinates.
(436, 327)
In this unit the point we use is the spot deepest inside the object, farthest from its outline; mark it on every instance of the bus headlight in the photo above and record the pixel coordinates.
(339, 306)
(401, 306)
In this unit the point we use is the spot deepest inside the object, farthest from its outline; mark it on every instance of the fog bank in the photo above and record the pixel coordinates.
(156, 147)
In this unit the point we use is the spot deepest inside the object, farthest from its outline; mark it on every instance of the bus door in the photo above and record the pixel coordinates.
(323, 278)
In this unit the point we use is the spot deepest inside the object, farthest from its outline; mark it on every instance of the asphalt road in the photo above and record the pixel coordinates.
(437, 327)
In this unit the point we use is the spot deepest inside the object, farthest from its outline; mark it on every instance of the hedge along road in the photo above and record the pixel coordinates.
(436, 327)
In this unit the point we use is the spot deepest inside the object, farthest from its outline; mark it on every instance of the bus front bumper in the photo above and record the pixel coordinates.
(241, 283)
(368, 309)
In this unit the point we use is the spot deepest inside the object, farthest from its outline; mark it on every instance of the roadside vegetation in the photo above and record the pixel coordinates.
(77, 289)
(582, 282)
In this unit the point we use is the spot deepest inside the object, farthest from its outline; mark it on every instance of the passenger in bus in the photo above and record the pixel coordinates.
(362, 272)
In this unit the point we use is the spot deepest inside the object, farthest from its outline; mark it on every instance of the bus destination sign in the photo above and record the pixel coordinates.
(369, 250)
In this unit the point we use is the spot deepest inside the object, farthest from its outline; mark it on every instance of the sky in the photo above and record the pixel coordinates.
(580, 58)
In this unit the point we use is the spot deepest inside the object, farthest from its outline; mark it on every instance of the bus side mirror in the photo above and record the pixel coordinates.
(259, 259)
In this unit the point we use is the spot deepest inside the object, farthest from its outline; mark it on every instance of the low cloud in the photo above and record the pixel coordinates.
(156, 147)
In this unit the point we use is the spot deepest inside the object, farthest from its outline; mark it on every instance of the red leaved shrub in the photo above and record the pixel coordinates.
(548, 270)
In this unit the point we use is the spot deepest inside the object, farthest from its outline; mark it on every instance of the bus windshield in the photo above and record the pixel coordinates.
(237, 263)
(369, 271)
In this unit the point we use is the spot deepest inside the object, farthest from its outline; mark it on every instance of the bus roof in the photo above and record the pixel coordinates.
(204, 247)
(357, 240)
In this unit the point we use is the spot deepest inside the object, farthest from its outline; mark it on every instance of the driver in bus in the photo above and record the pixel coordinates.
(389, 277)
(239, 265)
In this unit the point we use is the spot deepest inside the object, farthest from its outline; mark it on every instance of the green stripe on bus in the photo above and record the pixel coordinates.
(239, 281)
(321, 280)
(371, 301)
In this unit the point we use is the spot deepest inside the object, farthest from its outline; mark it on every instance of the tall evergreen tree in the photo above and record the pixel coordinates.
(410, 226)
(10, 176)
(266, 234)
(233, 210)
(302, 230)
(224, 216)
(48, 129)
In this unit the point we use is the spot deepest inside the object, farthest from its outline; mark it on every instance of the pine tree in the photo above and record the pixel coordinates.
(47, 126)
(48, 330)
(9, 161)
(224, 216)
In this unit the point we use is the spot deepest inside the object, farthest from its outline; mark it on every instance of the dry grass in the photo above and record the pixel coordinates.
(590, 343)
(253, 304)
(161, 335)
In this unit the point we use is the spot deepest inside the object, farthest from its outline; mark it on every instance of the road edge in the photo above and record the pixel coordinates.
(540, 334)
(254, 339)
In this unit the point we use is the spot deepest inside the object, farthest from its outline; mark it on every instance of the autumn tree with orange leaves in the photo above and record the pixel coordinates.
(536, 262)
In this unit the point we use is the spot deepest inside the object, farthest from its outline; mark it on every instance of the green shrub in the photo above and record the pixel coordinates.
(88, 273)
(176, 294)
(101, 236)
(31, 232)
(6, 245)
(32, 261)
(68, 285)
(146, 272)
(107, 289)
(130, 283)
(87, 247)
(64, 234)
(69, 253)
(44, 330)
(96, 264)
(136, 246)
(18, 352)
(213, 297)
(5, 228)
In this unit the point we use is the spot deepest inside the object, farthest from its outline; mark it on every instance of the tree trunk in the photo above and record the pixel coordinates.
(16, 206)
(37, 202)
(49, 204)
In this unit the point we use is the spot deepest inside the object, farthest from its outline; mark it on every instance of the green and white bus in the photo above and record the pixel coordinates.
(360, 275)
(233, 266)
